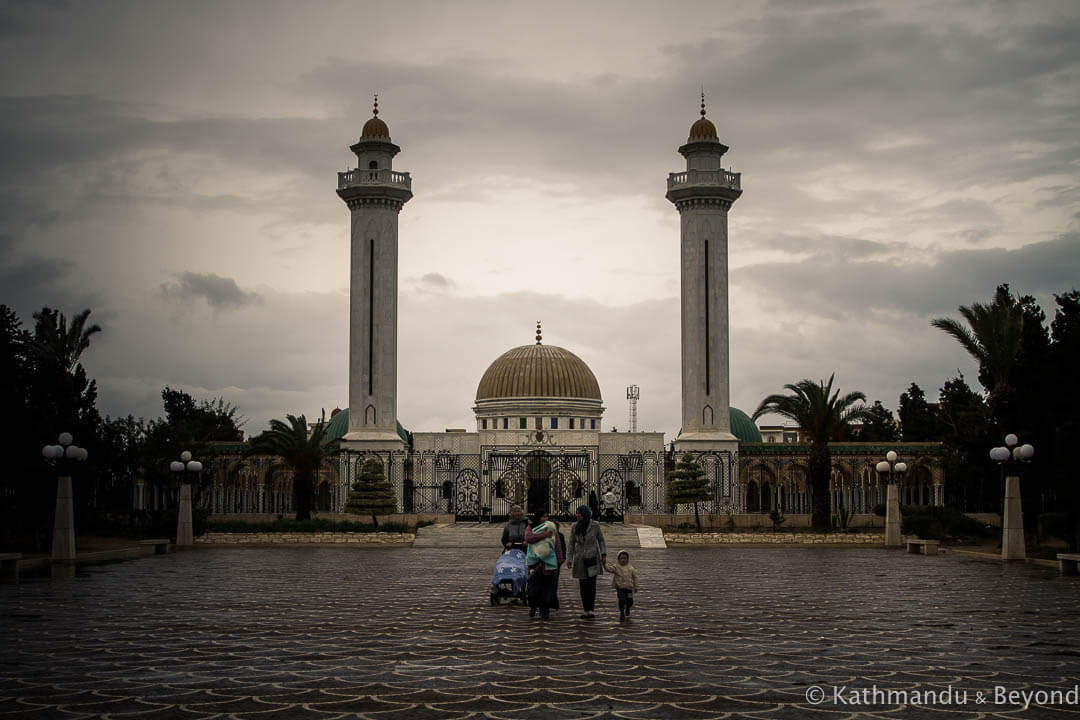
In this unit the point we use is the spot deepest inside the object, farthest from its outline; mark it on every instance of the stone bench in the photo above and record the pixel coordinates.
(1067, 563)
(9, 565)
(926, 547)
(161, 545)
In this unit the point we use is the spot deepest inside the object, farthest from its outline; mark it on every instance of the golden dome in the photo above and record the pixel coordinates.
(540, 371)
(375, 128)
(703, 129)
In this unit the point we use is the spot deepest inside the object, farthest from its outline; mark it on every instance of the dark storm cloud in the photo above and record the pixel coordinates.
(836, 288)
(220, 293)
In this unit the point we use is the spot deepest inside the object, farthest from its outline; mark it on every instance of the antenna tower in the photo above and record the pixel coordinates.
(632, 395)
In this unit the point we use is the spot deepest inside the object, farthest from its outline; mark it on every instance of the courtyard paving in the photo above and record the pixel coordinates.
(327, 632)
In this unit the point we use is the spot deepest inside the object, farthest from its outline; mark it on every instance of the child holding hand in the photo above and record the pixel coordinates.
(624, 580)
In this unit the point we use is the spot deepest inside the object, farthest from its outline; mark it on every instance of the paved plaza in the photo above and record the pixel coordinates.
(400, 632)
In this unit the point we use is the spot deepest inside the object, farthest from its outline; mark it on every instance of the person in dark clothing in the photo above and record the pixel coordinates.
(513, 536)
(586, 556)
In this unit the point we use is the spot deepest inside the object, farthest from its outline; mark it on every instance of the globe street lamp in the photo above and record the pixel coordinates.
(64, 457)
(1009, 457)
(184, 533)
(892, 500)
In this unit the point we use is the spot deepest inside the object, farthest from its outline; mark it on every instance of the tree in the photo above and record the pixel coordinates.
(824, 415)
(966, 433)
(301, 452)
(992, 337)
(879, 425)
(1063, 359)
(688, 484)
(918, 421)
(371, 493)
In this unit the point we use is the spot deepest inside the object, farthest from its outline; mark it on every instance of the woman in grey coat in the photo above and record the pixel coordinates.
(585, 556)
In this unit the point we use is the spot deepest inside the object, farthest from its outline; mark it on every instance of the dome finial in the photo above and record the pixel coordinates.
(376, 109)
(702, 101)
(538, 336)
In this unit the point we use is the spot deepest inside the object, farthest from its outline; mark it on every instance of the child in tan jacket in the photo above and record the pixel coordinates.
(624, 580)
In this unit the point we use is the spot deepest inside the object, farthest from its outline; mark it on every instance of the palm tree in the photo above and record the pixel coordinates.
(57, 344)
(823, 415)
(992, 337)
(303, 453)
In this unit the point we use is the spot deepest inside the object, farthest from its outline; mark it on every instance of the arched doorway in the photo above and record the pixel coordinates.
(538, 472)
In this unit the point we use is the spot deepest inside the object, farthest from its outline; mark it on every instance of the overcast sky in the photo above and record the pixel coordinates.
(172, 165)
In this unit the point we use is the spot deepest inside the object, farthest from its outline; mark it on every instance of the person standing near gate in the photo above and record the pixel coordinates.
(513, 536)
(609, 509)
(585, 557)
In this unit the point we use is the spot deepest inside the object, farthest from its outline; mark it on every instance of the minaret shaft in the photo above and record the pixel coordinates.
(703, 194)
(375, 194)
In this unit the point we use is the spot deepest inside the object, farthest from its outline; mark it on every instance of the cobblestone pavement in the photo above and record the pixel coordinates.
(311, 632)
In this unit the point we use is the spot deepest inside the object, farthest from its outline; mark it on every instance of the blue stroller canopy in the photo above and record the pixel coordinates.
(511, 566)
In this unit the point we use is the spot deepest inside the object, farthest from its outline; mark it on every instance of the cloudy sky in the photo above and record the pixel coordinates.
(172, 166)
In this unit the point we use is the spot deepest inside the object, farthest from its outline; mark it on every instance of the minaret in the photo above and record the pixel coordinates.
(703, 194)
(375, 194)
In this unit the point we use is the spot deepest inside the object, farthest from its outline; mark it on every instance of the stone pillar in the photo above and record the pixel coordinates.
(892, 517)
(1012, 526)
(184, 534)
(63, 543)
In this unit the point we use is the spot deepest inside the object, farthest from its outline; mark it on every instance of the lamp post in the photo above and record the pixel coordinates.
(185, 536)
(62, 457)
(1009, 458)
(892, 500)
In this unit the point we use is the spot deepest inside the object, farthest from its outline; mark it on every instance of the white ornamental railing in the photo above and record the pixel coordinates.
(360, 176)
(721, 178)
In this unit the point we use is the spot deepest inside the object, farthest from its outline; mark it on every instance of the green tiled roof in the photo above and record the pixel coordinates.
(743, 427)
(339, 425)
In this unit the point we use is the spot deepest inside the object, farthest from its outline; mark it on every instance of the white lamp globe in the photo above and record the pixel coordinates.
(901, 467)
(176, 466)
(999, 454)
(1027, 451)
(83, 453)
(883, 467)
(891, 456)
(71, 452)
(56, 452)
(194, 466)
(185, 456)
(1011, 439)
(65, 438)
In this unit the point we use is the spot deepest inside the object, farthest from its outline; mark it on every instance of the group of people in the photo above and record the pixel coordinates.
(585, 555)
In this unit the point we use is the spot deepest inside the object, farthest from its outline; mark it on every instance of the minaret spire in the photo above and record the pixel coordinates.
(538, 336)
(375, 110)
(702, 101)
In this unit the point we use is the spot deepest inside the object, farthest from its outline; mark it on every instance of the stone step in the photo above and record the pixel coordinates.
(617, 536)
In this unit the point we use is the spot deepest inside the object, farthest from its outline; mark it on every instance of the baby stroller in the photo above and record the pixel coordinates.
(511, 574)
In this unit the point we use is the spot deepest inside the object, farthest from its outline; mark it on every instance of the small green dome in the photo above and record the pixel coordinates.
(743, 427)
(339, 425)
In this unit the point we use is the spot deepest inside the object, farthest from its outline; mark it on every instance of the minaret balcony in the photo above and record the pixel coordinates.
(714, 178)
(361, 177)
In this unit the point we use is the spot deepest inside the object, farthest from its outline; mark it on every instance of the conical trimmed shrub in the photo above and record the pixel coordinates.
(372, 493)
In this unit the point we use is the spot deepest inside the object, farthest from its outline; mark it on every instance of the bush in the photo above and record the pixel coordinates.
(940, 523)
(314, 525)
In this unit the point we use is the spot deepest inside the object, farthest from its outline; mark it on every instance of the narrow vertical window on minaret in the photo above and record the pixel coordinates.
(371, 318)
(708, 367)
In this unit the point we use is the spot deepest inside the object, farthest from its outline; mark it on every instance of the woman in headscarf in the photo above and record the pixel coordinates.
(586, 556)
(542, 559)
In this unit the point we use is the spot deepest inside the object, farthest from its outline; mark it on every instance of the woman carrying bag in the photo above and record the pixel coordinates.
(586, 556)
